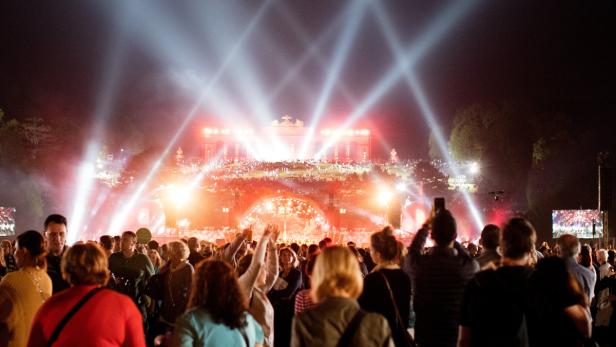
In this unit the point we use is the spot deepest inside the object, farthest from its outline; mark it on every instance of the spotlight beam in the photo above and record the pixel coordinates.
(345, 41)
(121, 216)
(301, 33)
(312, 51)
(426, 109)
(110, 79)
(412, 55)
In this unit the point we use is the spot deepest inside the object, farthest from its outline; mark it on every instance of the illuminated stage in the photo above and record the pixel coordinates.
(245, 177)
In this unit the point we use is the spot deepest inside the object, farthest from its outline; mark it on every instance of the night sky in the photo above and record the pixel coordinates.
(55, 60)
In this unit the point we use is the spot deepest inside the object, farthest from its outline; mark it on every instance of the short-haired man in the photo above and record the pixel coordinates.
(194, 257)
(569, 246)
(106, 242)
(490, 238)
(495, 299)
(55, 235)
(438, 278)
(131, 270)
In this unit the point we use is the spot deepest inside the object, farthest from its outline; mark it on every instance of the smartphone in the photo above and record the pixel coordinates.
(439, 204)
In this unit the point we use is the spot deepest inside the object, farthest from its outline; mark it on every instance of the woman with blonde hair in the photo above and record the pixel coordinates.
(86, 314)
(156, 260)
(22, 292)
(337, 319)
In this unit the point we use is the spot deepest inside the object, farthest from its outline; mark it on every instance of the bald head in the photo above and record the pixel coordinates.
(569, 246)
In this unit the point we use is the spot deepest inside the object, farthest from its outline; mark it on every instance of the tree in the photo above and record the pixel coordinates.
(501, 138)
(36, 133)
(13, 153)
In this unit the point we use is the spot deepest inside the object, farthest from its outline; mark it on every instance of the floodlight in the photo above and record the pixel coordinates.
(179, 195)
(385, 197)
(474, 168)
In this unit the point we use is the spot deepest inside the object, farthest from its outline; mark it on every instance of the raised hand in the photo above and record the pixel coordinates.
(247, 233)
(275, 232)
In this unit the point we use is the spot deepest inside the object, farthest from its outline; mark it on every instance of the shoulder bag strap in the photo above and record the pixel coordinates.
(393, 301)
(70, 314)
(349, 331)
(245, 337)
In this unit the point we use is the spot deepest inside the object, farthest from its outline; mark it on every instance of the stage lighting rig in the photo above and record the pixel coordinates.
(497, 195)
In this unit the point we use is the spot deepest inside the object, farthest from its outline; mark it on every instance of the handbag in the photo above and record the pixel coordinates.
(70, 314)
(408, 339)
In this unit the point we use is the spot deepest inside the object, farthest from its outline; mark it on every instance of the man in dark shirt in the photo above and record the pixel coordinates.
(438, 278)
(495, 300)
(55, 234)
(194, 257)
(130, 270)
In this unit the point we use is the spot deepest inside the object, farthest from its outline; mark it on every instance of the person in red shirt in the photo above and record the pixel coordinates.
(107, 319)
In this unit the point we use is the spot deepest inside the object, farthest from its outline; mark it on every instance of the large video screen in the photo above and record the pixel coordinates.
(7, 221)
(577, 222)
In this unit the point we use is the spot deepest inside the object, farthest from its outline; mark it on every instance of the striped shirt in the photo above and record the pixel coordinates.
(303, 301)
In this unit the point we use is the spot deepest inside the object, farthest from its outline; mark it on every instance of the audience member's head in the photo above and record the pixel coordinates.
(106, 242)
(30, 250)
(312, 249)
(518, 238)
(490, 237)
(177, 251)
(55, 233)
(153, 245)
(85, 265)
(155, 258)
(193, 244)
(601, 256)
(129, 241)
(7, 247)
(384, 246)
(217, 291)
(444, 230)
(336, 274)
(585, 258)
(569, 246)
(326, 242)
(288, 257)
(295, 247)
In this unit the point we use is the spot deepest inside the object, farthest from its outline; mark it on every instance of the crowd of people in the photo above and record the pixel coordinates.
(116, 292)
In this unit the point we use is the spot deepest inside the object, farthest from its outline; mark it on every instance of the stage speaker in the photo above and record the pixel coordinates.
(606, 177)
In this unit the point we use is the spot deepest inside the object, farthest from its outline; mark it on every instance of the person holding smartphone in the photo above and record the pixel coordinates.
(438, 277)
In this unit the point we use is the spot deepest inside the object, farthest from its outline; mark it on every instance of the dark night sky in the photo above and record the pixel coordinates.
(552, 55)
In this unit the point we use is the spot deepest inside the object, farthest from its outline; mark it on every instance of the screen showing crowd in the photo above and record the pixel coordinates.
(577, 222)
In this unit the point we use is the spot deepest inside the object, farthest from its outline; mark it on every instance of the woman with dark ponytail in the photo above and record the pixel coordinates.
(387, 289)
(23, 292)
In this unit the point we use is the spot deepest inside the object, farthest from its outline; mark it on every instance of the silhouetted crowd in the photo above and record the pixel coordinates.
(116, 292)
